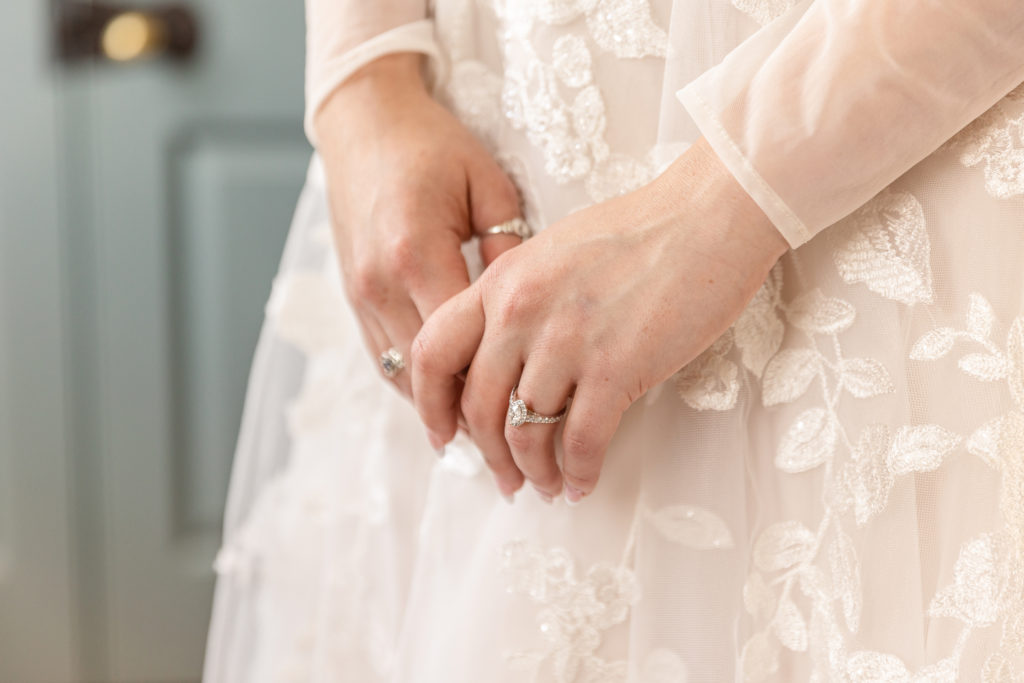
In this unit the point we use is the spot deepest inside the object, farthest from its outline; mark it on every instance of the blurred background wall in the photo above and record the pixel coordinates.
(149, 164)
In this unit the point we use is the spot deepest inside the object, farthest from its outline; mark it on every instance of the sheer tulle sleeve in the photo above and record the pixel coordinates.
(831, 102)
(344, 35)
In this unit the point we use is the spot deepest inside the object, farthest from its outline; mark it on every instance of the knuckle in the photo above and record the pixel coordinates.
(581, 449)
(520, 440)
(421, 353)
(515, 300)
(366, 284)
(403, 256)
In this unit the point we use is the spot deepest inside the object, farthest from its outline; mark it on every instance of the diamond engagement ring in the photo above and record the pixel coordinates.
(516, 226)
(391, 362)
(519, 414)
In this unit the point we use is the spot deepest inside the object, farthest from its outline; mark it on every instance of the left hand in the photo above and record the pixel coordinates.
(601, 306)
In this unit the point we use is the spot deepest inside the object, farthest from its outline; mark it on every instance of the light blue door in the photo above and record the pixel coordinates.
(171, 185)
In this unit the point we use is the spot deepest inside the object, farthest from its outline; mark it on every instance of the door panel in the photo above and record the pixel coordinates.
(233, 188)
(195, 168)
(35, 579)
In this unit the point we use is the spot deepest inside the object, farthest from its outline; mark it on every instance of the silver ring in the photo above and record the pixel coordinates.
(516, 226)
(519, 414)
(391, 362)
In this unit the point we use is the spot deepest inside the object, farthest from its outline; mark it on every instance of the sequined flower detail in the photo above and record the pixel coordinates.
(574, 611)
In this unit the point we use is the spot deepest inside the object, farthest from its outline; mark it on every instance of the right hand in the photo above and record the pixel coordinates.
(407, 185)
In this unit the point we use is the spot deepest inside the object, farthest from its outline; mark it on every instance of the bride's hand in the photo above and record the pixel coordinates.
(407, 184)
(601, 306)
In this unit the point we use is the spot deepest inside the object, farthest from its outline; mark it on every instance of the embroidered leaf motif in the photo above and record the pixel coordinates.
(809, 441)
(974, 595)
(1015, 351)
(997, 669)
(763, 11)
(984, 442)
(815, 313)
(865, 377)
(811, 581)
(876, 667)
(997, 140)
(789, 626)
(691, 526)
(788, 375)
(758, 597)
(934, 344)
(871, 479)
(983, 366)
(980, 316)
(760, 658)
(942, 671)
(782, 545)
(920, 448)
(759, 331)
(846, 578)
(710, 381)
(885, 245)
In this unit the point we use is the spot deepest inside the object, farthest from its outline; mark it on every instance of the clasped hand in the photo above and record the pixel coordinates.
(599, 307)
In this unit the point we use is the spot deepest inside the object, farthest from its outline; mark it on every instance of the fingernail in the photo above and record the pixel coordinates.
(440, 451)
(546, 497)
(573, 496)
(508, 498)
(436, 441)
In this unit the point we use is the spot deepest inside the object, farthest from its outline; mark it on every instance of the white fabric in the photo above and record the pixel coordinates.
(833, 492)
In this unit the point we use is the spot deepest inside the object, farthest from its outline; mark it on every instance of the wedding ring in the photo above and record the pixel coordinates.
(516, 226)
(391, 362)
(519, 414)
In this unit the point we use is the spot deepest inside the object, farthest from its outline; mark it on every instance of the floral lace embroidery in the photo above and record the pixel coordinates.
(988, 578)
(885, 245)
(995, 140)
(711, 381)
(556, 101)
(575, 612)
(763, 11)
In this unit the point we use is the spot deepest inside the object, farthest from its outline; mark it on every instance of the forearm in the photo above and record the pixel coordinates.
(819, 111)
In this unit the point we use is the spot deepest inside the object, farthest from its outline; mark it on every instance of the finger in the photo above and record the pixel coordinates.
(375, 340)
(493, 199)
(485, 401)
(544, 388)
(443, 348)
(589, 428)
(400, 323)
(444, 273)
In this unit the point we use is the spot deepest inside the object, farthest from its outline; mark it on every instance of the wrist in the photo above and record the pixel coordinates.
(701, 176)
(386, 82)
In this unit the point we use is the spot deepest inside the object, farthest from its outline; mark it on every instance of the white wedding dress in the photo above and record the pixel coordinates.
(834, 491)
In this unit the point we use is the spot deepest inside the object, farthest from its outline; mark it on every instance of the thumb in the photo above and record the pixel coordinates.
(493, 199)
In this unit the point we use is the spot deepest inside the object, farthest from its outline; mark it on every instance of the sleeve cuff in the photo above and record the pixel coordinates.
(417, 36)
(793, 230)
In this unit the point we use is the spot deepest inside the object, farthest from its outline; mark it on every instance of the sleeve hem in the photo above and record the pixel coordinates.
(417, 36)
(793, 230)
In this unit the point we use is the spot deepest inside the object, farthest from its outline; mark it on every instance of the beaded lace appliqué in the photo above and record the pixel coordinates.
(555, 99)
(575, 612)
